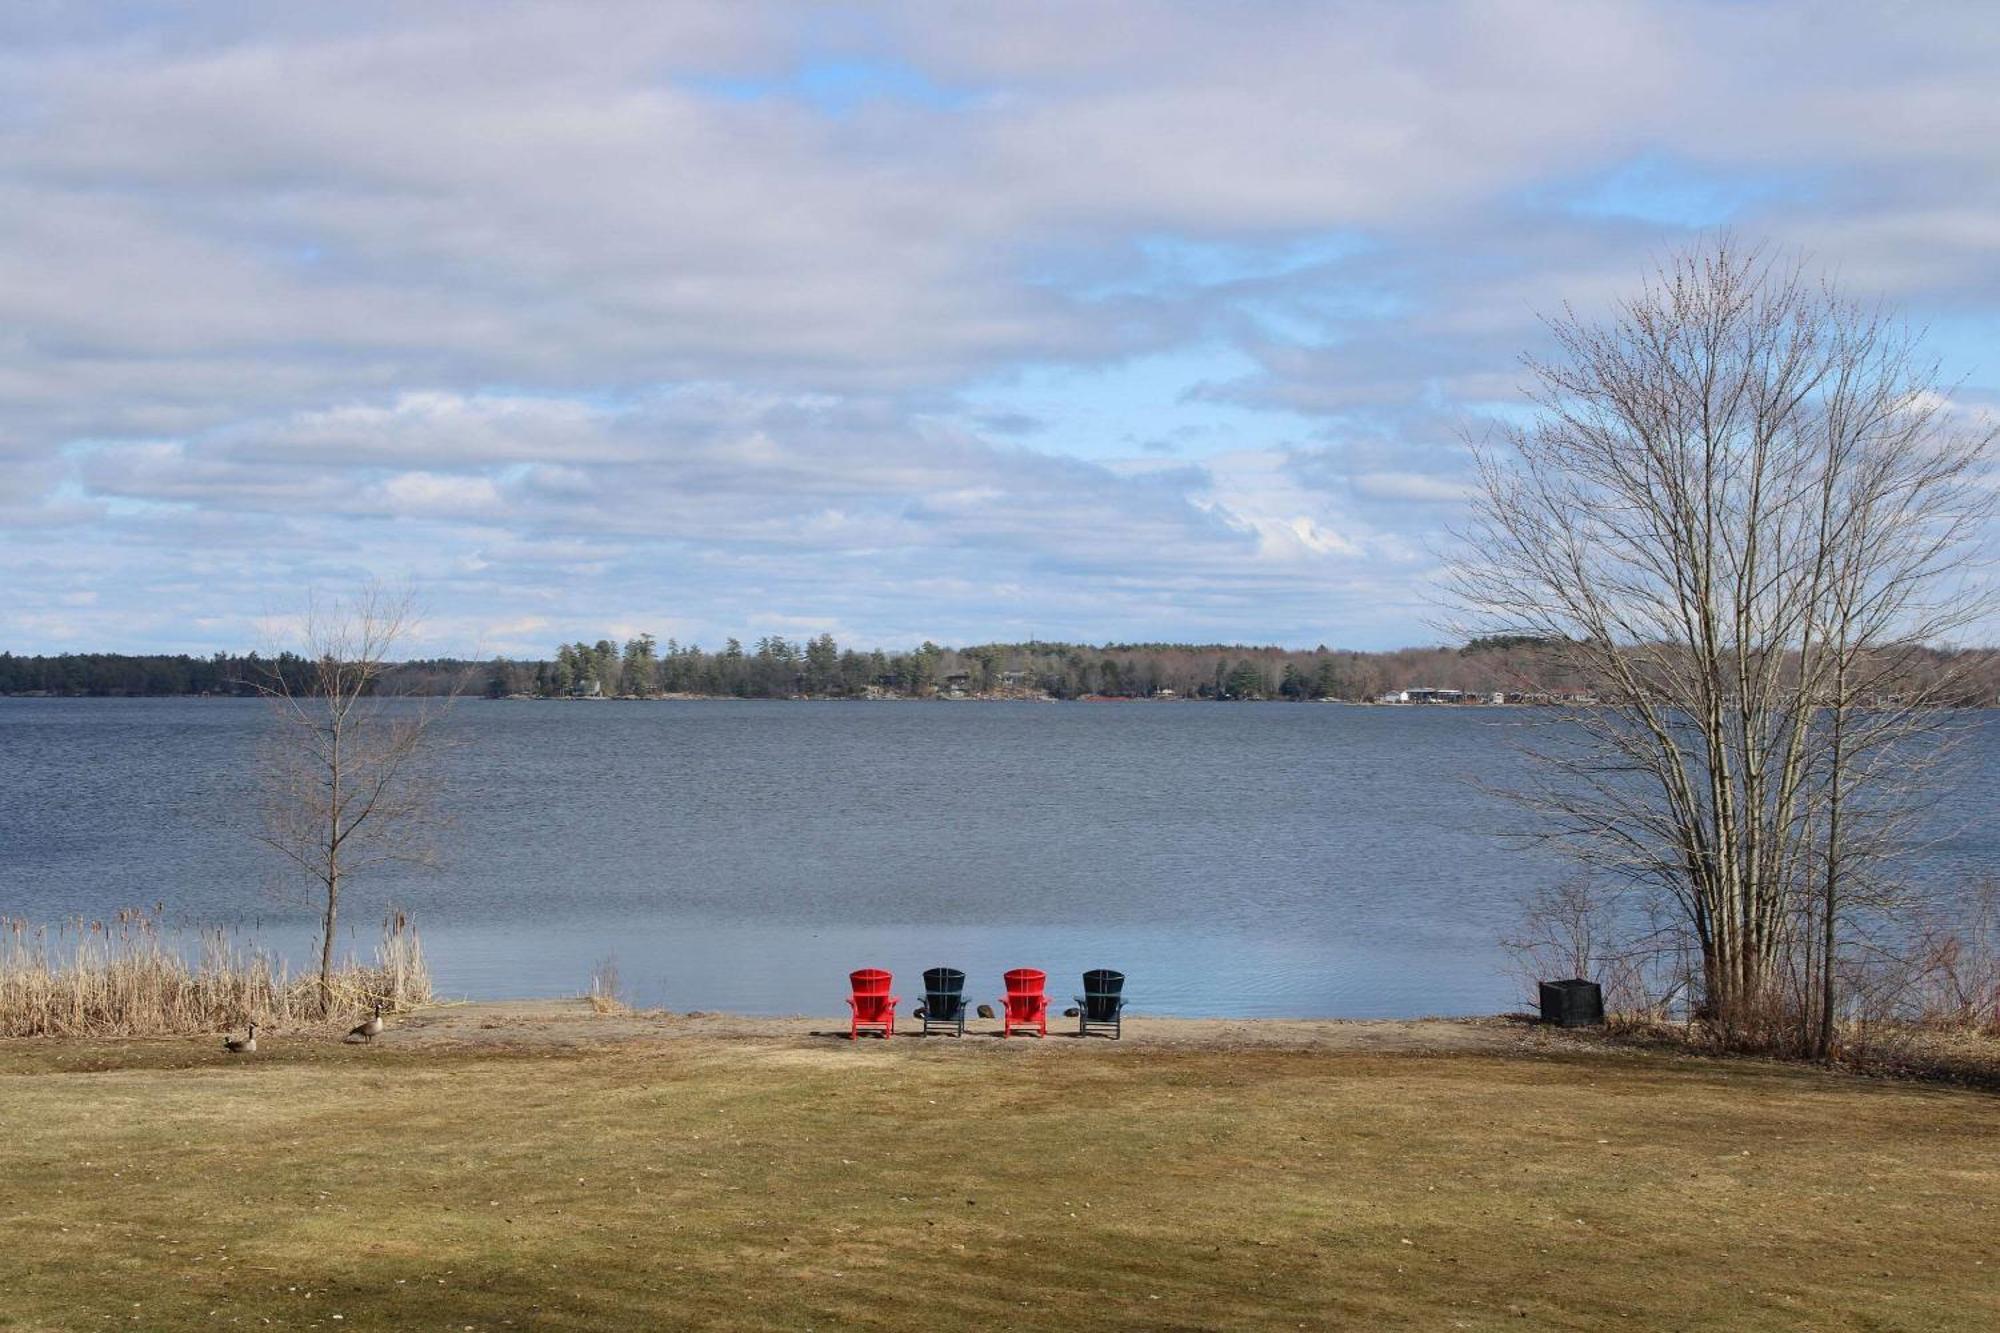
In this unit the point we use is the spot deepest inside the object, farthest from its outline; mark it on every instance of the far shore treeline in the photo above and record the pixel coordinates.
(779, 668)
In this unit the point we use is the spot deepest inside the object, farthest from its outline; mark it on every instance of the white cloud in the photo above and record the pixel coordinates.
(581, 312)
(1411, 486)
(430, 493)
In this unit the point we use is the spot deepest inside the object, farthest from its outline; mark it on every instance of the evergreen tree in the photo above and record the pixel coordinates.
(823, 665)
(638, 670)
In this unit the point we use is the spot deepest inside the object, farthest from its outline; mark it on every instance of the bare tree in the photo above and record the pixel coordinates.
(345, 784)
(1575, 928)
(1743, 514)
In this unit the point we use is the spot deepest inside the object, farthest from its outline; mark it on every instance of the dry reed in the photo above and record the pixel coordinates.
(135, 976)
(607, 988)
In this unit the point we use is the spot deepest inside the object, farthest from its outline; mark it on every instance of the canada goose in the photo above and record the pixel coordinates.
(1071, 1012)
(242, 1045)
(372, 1028)
(917, 1012)
(985, 1011)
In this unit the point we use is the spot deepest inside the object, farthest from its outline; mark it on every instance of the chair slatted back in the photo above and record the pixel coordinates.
(871, 991)
(944, 993)
(1102, 988)
(1025, 991)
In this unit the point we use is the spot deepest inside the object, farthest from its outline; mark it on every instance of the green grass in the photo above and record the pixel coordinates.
(792, 1184)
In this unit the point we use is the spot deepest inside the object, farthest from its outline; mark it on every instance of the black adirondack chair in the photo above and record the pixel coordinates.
(1102, 1004)
(944, 1000)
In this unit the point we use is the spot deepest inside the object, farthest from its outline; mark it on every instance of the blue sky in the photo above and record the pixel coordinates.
(954, 322)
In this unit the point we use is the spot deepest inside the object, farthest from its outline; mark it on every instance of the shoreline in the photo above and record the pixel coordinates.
(574, 1026)
(574, 1022)
(45, 695)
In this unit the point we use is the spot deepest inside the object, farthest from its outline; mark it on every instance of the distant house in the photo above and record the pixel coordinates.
(585, 689)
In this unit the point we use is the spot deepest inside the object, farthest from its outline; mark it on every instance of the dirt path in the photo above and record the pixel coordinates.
(544, 1023)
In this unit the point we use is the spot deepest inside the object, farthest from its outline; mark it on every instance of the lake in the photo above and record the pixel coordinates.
(1235, 860)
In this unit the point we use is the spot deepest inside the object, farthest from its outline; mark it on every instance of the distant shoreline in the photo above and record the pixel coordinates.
(1480, 673)
(977, 699)
(822, 699)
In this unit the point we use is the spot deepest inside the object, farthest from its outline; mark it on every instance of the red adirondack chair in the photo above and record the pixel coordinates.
(1025, 1006)
(874, 1007)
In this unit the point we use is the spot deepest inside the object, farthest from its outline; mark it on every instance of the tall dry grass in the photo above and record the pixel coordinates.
(135, 976)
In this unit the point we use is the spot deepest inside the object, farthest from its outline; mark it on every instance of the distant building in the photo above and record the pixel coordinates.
(1430, 694)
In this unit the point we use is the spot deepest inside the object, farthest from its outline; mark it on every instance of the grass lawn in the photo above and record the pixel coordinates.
(794, 1183)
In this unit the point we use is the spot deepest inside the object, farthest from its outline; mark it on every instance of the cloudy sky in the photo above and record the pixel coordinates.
(950, 321)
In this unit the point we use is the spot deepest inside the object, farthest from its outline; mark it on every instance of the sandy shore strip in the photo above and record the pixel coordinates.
(573, 1022)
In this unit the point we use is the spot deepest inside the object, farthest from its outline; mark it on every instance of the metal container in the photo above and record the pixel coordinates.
(1575, 1003)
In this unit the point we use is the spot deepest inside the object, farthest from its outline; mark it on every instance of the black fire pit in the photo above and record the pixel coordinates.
(1575, 1003)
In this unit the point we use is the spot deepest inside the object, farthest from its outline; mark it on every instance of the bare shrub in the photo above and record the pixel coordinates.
(1946, 979)
(1578, 927)
(1921, 1002)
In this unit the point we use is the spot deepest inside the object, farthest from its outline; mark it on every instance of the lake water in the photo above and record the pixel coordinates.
(1252, 859)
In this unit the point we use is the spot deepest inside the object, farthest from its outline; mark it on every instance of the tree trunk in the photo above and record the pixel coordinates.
(326, 944)
(1829, 936)
(333, 840)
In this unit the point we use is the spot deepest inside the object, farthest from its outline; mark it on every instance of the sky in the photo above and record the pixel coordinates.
(950, 321)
